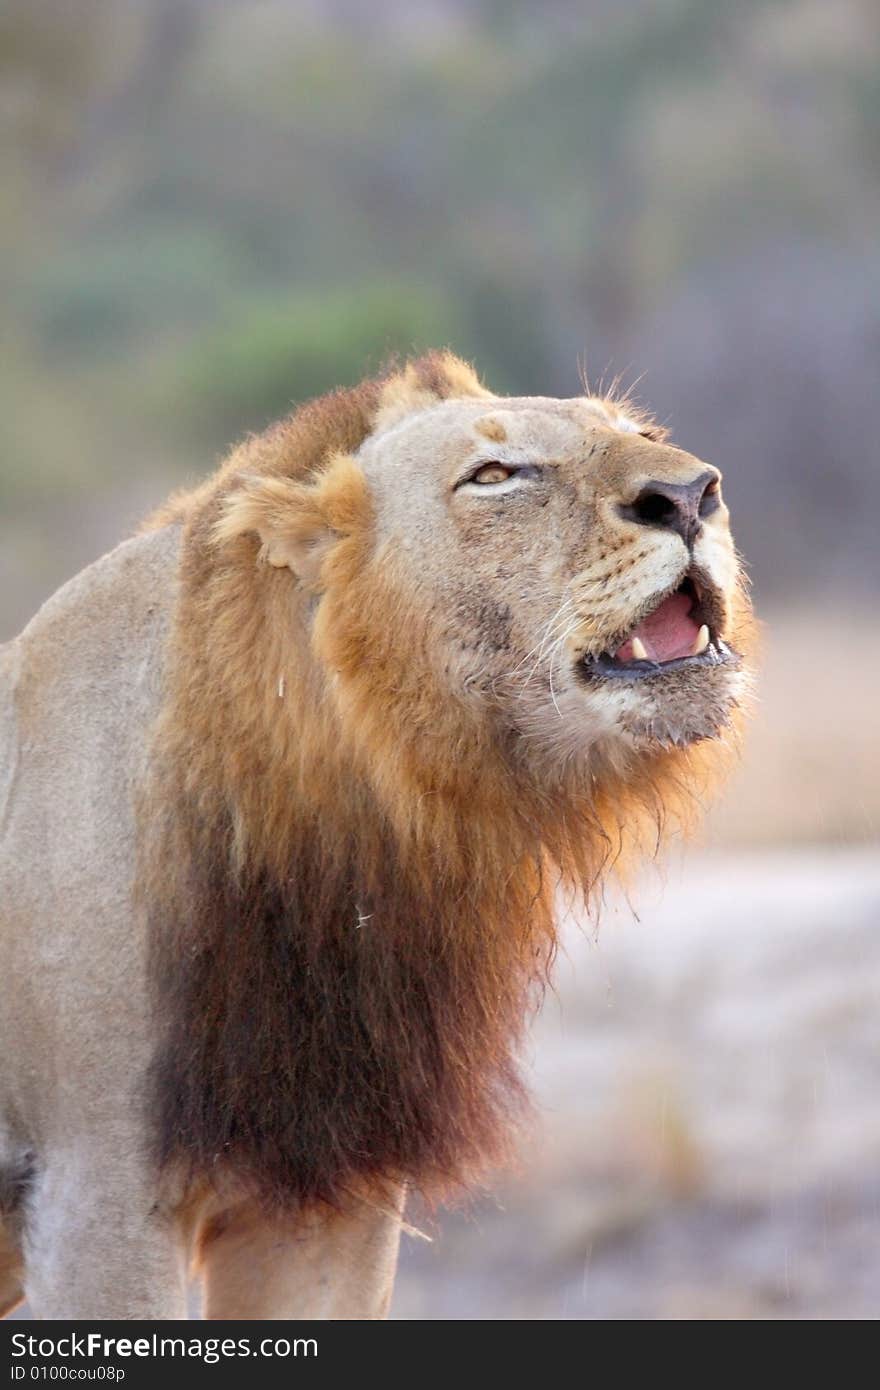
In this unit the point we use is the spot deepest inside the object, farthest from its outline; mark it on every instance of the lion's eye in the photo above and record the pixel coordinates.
(492, 473)
(502, 477)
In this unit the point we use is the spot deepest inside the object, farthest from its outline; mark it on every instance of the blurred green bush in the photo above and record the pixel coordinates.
(264, 356)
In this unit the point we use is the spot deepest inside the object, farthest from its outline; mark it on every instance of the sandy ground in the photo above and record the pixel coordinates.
(708, 1137)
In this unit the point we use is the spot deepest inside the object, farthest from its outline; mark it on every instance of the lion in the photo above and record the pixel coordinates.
(290, 782)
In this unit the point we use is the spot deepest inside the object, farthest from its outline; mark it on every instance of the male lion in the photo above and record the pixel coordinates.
(288, 784)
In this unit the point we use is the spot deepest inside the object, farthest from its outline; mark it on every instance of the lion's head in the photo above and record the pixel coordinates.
(546, 577)
(431, 643)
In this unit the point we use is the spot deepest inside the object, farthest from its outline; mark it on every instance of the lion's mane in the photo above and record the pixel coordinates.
(352, 901)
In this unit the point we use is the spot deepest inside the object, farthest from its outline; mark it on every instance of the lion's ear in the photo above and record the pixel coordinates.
(297, 522)
(285, 516)
(302, 552)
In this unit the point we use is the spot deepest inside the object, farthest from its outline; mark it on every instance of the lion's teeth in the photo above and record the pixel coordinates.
(702, 641)
(639, 650)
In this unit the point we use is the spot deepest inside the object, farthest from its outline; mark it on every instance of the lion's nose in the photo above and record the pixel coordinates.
(677, 507)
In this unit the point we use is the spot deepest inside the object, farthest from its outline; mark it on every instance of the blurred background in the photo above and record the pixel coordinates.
(209, 212)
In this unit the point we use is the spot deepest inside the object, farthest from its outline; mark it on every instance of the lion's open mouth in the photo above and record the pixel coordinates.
(680, 632)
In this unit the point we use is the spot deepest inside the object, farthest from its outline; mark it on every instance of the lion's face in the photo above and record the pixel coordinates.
(548, 576)
(568, 575)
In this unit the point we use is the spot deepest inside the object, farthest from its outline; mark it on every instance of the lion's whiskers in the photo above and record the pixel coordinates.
(559, 647)
(545, 636)
(561, 615)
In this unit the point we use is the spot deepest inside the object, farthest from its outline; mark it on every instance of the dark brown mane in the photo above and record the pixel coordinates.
(339, 1028)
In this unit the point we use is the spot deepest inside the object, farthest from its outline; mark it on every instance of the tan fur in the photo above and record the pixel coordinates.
(492, 429)
(258, 1267)
(312, 755)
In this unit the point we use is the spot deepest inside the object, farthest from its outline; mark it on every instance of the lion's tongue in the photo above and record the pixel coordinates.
(667, 633)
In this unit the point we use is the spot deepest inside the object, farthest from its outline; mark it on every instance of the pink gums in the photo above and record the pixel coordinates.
(667, 633)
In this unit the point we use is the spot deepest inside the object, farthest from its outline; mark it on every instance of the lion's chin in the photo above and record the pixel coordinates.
(681, 703)
(593, 722)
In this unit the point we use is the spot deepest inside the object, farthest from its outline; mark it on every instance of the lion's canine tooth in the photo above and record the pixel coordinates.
(639, 651)
(702, 641)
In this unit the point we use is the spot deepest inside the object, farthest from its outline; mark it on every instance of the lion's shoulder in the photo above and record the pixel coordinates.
(121, 589)
(98, 639)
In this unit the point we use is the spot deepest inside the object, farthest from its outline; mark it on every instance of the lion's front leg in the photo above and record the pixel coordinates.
(97, 1244)
(321, 1265)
